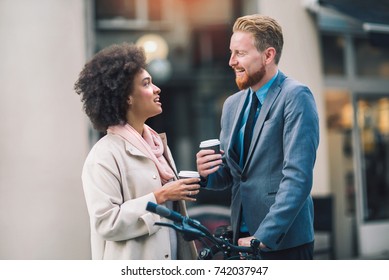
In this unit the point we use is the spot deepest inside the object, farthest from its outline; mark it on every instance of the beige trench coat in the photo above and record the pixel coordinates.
(118, 182)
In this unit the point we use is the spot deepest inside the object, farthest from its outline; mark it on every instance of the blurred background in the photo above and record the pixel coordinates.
(340, 49)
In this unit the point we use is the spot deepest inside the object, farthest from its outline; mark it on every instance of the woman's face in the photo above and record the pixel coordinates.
(144, 100)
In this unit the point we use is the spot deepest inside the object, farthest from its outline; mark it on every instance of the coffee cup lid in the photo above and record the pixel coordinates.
(209, 143)
(189, 174)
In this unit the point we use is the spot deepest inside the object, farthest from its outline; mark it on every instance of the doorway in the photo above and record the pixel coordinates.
(372, 137)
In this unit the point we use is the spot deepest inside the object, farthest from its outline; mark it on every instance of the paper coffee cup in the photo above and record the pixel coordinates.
(212, 144)
(183, 174)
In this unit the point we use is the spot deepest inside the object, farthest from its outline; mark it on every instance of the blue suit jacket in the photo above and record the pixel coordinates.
(273, 188)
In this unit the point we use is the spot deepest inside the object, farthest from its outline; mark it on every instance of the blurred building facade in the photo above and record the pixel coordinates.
(339, 54)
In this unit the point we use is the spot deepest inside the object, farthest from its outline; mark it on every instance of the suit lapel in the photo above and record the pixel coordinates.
(272, 95)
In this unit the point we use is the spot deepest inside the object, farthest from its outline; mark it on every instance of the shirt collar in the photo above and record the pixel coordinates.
(262, 92)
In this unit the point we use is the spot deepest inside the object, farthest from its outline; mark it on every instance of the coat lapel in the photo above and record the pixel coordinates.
(130, 148)
(167, 154)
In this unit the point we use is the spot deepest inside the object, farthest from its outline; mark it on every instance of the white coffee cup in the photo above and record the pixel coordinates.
(185, 174)
(212, 144)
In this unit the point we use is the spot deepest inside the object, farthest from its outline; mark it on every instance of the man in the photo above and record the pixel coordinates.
(269, 164)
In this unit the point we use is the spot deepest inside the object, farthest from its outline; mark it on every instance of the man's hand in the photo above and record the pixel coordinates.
(246, 241)
(208, 162)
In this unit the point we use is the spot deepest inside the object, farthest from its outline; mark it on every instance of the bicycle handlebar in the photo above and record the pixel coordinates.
(164, 212)
(176, 217)
(193, 229)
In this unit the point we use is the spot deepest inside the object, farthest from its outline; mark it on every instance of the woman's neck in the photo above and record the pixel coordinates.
(138, 126)
(136, 122)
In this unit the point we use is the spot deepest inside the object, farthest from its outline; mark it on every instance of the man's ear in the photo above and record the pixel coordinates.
(270, 53)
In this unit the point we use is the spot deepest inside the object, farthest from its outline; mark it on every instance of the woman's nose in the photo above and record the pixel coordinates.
(156, 89)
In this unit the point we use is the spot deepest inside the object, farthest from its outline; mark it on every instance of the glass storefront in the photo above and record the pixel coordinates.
(373, 130)
(356, 72)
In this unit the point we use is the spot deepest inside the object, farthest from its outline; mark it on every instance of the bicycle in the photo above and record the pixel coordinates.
(192, 229)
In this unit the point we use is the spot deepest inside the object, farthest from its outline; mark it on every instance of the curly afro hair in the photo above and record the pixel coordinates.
(106, 81)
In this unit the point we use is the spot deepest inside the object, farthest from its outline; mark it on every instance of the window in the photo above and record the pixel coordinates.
(373, 127)
(154, 10)
(110, 9)
(371, 60)
(333, 55)
(128, 14)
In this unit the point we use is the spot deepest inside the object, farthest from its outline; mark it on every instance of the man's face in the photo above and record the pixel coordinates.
(247, 62)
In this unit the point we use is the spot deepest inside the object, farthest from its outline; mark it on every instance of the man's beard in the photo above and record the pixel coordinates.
(249, 80)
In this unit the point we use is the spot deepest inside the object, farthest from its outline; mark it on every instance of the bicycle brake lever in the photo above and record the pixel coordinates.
(254, 244)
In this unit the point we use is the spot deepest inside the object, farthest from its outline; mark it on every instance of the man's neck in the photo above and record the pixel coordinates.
(268, 76)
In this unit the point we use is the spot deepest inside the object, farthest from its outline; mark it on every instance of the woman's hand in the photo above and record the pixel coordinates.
(181, 189)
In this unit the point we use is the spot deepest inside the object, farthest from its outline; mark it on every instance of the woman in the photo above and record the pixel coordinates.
(131, 165)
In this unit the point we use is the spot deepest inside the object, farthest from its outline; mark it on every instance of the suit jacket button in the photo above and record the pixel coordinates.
(243, 178)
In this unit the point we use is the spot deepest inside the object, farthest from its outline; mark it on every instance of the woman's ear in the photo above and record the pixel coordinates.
(129, 100)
